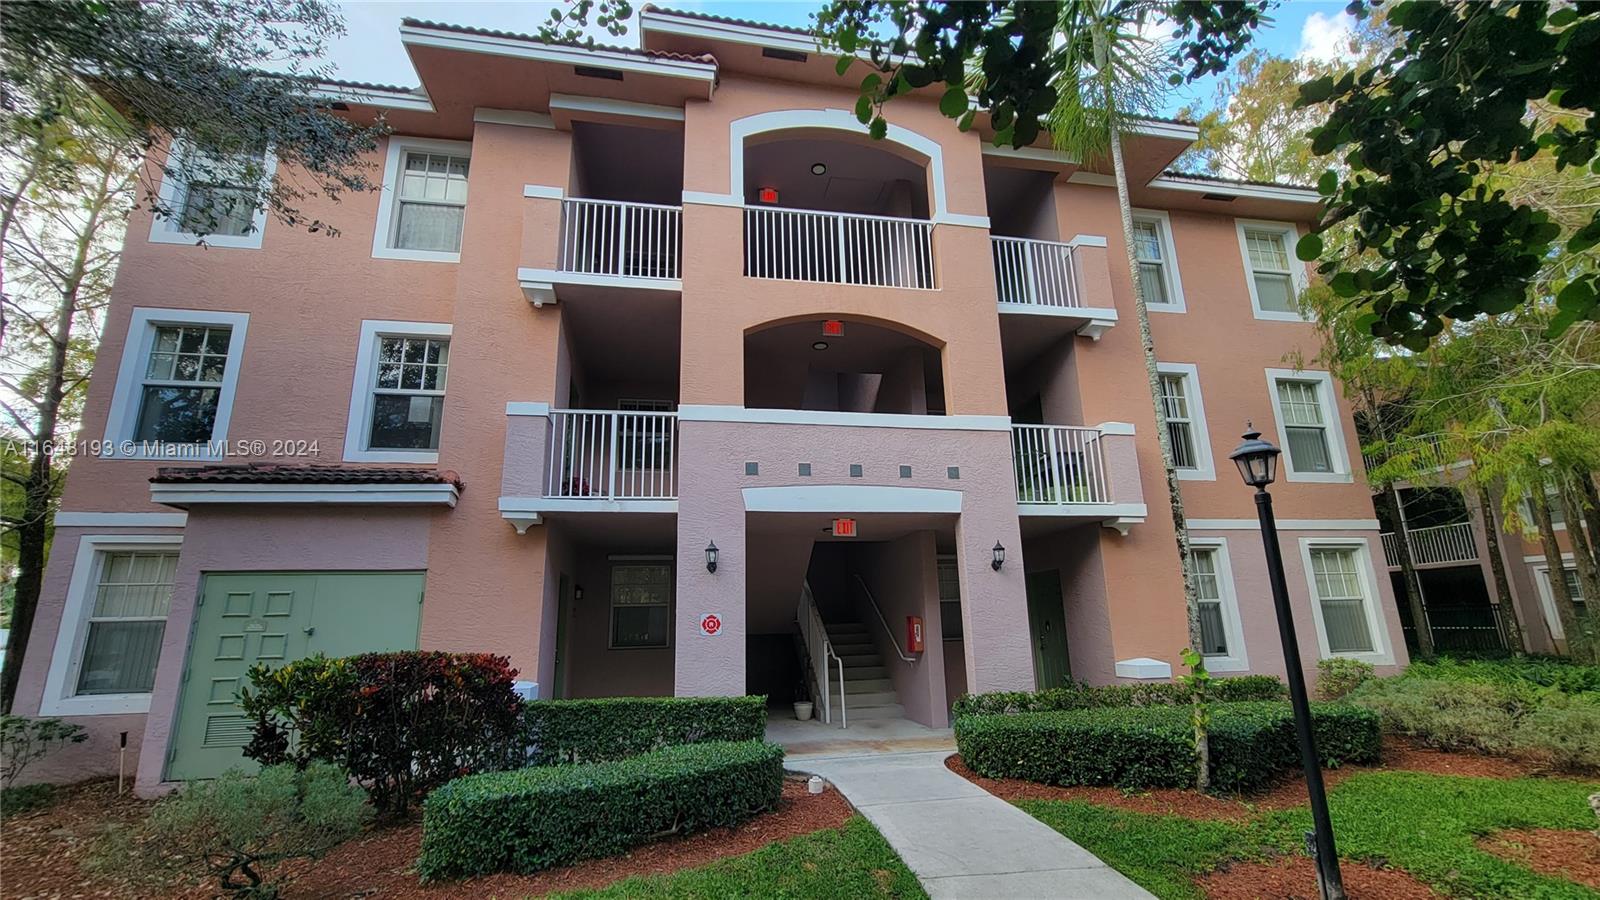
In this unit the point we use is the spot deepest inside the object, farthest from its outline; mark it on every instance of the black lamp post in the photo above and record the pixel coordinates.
(1258, 464)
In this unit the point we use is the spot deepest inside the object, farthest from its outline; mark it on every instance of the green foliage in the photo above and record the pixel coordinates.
(1445, 715)
(1337, 676)
(1565, 731)
(1145, 747)
(1083, 696)
(24, 741)
(1545, 671)
(227, 828)
(565, 731)
(1162, 854)
(1198, 682)
(532, 819)
(401, 723)
(853, 861)
(1470, 86)
(14, 800)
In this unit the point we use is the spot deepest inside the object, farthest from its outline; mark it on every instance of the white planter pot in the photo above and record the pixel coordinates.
(802, 709)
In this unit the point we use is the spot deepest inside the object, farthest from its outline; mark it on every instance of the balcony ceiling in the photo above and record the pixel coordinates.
(625, 337)
(859, 178)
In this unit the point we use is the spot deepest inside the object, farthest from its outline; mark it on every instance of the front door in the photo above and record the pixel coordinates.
(1047, 628)
(276, 618)
(563, 602)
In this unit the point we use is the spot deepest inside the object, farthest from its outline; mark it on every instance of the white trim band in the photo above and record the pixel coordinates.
(1285, 524)
(865, 498)
(527, 408)
(519, 117)
(544, 191)
(120, 520)
(191, 493)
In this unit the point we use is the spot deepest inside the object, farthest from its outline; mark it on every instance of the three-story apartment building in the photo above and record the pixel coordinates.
(651, 371)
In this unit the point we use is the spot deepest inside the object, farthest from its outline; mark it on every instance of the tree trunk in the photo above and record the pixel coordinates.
(1591, 510)
(1497, 566)
(1583, 560)
(1408, 572)
(1578, 646)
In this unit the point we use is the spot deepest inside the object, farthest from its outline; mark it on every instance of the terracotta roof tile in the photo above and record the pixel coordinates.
(726, 20)
(632, 51)
(274, 473)
(1197, 176)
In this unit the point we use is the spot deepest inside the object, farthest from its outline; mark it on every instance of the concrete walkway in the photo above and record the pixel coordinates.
(960, 840)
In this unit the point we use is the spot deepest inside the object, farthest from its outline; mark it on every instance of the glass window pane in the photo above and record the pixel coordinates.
(1275, 293)
(177, 415)
(217, 210)
(402, 422)
(1340, 595)
(1213, 635)
(1308, 449)
(1301, 402)
(426, 226)
(640, 626)
(950, 620)
(1153, 282)
(1267, 251)
(120, 657)
(1147, 241)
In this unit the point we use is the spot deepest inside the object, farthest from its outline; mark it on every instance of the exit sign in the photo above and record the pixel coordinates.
(833, 328)
(844, 527)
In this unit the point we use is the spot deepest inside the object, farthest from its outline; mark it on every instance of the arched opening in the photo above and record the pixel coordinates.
(857, 367)
(832, 172)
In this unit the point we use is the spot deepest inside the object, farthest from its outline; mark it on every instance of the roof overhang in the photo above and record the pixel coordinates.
(186, 494)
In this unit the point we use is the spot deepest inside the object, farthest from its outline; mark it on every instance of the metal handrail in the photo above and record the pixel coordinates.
(809, 620)
(874, 601)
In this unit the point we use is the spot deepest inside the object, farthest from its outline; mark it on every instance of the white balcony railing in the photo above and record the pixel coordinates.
(1453, 543)
(597, 455)
(628, 240)
(1059, 464)
(1035, 272)
(799, 245)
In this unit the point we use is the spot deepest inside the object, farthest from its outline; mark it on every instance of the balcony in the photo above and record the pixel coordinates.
(582, 461)
(1055, 279)
(609, 244)
(1069, 471)
(1439, 545)
(838, 248)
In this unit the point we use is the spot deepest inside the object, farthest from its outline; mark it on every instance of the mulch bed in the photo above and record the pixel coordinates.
(1295, 878)
(1572, 855)
(43, 852)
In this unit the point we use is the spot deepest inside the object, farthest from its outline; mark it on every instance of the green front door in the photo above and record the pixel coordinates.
(1047, 628)
(275, 618)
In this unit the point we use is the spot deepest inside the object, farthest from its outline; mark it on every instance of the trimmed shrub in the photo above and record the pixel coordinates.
(1149, 747)
(401, 723)
(567, 731)
(1564, 731)
(1337, 676)
(535, 818)
(1082, 696)
(1446, 715)
(1542, 671)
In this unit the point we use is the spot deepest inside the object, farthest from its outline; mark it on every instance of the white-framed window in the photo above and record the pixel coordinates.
(1547, 598)
(1344, 599)
(175, 384)
(423, 206)
(949, 599)
(1186, 421)
(109, 642)
(1273, 275)
(211, 193)
(1310, 430)
(1158, 261)
(646, 442)
(1558, 511)
(397, 396)
(641, 605)
(1221, 629)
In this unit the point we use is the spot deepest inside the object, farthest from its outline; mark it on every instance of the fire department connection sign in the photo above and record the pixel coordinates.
(710, 625)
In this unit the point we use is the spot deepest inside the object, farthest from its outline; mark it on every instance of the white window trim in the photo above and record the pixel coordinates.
(73, 632)
(1297, 269)
(1382, 653)
(1237, 659)
(1169, 252)
(384, 228)
(1338, 453)
(358, 425)
(123, 416)
(166, 230)
(1527, 510)
(1205, 467)
(665, 560)
(1547, 597)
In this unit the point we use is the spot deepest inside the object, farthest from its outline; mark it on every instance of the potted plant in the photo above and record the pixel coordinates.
(802, 700)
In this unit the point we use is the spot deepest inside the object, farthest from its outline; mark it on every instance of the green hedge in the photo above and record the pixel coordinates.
(1555, 672)
(1083, 696)
(535, 818)
(1153, 746)
(568, 731)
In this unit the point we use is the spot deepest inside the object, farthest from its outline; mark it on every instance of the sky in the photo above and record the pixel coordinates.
(371, 50)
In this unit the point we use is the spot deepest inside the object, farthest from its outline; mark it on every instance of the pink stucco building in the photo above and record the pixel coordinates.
(613, 307)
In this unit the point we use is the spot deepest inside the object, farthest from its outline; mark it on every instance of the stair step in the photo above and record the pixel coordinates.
(855, 714)
(868, 699)
(846, 628)
(854, 648)
(867, 685)
(861, 660)
(851, 672)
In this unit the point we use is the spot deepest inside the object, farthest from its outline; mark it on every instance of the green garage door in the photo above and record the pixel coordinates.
(275, 618)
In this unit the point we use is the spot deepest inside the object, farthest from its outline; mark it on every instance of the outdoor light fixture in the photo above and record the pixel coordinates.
(819, 345)
(577, 592)
(1258, 462)
(819, 169)
(711, 557)
(999, 557)
(1257, 459)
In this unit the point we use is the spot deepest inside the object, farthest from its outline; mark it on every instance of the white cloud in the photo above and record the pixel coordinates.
(1326, 38)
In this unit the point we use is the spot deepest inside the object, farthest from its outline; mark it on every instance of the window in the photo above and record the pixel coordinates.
(1221, 634)
(949, 599)
(112, 625)
(1309, 428)
(175, 384)
(1186, 427)
(212, 198)
(1548, 601)
(397, 402)
(424, 201)
(1158, 272)
(646, 441)
(126, 621)
(1275, 276)
(641, 605)
(1341, 600)
(1558, 512)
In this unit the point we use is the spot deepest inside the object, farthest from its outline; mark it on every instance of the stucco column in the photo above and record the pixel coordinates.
(711, 508)
(994, 605)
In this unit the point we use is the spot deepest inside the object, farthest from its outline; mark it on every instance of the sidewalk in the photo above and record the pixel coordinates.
(960, 840)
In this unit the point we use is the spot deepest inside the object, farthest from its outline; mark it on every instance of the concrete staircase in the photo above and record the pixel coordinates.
(868, 692)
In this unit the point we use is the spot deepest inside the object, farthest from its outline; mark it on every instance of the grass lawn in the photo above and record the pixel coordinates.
(1423, 824)
(852, 861)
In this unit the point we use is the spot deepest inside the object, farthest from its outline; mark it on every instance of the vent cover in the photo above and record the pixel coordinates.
(597, 72)
(785, 55)
(227, 731)
(1220, 198)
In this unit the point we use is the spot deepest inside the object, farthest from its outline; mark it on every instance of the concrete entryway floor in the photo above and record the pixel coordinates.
(865, 736)
(960, 840)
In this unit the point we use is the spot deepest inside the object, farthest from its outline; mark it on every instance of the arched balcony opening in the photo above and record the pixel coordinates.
(863, 368)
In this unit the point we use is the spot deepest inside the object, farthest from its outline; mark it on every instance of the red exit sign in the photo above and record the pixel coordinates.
(844, 527)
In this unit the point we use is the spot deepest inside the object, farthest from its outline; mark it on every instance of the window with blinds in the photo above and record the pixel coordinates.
(133, 592)
(950, 600)
(1305, 426)
(408, 393)
(1154, 276)
(1342, 599)
(1208, 590)
(1268, 255)
(431, 202)
(641, 605)
(1180, 421)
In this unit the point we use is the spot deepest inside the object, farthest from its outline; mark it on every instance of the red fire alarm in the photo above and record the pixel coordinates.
(844, 527)
(833, 328)
(914, 634)
(768, 195)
